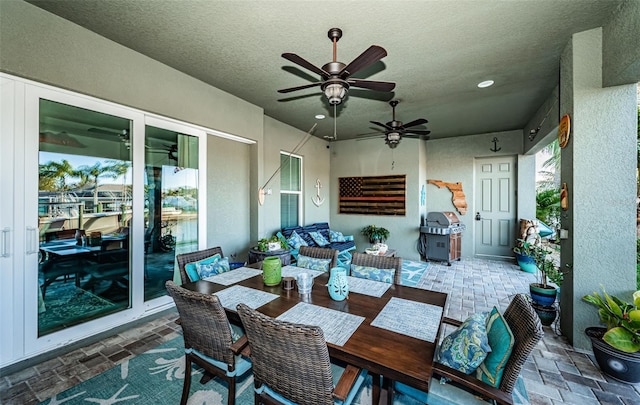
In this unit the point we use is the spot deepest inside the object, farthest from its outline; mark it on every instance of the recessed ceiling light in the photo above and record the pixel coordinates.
(320, 117)
(486, 83)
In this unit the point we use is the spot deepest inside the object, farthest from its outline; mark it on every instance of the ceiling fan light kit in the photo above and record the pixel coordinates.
(335, 92)
(393, 139)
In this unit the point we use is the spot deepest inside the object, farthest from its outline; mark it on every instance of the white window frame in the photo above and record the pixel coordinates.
(292, 192)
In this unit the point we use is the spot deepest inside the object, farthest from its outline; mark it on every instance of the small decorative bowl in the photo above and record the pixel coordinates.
(371, 251)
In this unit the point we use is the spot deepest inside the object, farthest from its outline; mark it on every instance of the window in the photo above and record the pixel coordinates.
(290, 189)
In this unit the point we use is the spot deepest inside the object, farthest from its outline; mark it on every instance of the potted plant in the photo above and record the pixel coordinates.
(270, 244)
(525, 255)
(617, 347)
(543, 294)
(375, 233)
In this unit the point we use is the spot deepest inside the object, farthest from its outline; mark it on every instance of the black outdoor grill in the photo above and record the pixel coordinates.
(441, 238)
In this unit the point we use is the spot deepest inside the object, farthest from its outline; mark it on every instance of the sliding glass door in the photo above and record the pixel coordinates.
(84, 215)
(171, 192)
(100, 199)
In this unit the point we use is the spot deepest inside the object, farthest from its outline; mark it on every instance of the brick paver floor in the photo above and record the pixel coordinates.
(554, 374)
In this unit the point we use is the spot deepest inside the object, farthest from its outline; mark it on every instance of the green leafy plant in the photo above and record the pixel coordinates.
(375, 233)
(638, 264)
(263, 244)
(549, 271)
(622, 320)
(554, 274)
(525, 248)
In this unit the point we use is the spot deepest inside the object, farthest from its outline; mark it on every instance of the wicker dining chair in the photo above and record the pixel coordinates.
(208, 340)
(291, 363)
(527, 332)
(191, 257)
(320, 253)
(379, 262)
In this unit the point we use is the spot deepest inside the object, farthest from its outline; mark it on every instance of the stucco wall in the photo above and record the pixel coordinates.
(371, 157)
(41, 46)
(453, 160)
(280, 137)
(228, 197)
(621, 53)
(597, 166)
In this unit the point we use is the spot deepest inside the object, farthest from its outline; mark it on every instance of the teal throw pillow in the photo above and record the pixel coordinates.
(335, 236)
(295, 241)
(372, 273)
(216, 267)
(467, 347)
(192, 268)
(283, 241)
(501, 341)
(313, 263)
(319, 239)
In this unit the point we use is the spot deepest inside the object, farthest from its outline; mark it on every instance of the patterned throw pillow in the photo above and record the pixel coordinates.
(501, 341)
(467, 347)
(192, 268)
(335, 236)
(216, 267)
(319, 239)
(295, 241)
(372, 273)
(313, 263)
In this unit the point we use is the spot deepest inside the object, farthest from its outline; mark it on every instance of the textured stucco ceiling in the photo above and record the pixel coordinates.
(437, 53)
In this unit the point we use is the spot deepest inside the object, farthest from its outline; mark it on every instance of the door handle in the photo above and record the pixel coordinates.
(5, 242)
(478, 217)
(32, 240)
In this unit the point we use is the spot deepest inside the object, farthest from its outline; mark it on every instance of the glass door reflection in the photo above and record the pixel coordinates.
(171, 204)
(84, 212)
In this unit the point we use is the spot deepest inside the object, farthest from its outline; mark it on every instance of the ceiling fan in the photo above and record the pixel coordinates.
(395, 130)
(171, 151)
(336, 76)
(122, 133)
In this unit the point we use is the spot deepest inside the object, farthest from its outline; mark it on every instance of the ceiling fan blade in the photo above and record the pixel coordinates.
(419, 121)
(369, 136)
(382, 125)
(418, 132)
(366, 58)
(372, 84)
(123, 132)
(305, 64)
(422, 137)
(306, 86)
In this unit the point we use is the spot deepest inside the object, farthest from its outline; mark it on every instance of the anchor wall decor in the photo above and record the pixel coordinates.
(317, 200)
(495, 145)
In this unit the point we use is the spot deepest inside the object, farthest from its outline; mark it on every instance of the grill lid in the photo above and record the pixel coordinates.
(443, 219)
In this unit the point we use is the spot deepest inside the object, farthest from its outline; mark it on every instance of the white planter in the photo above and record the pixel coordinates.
(274, 246)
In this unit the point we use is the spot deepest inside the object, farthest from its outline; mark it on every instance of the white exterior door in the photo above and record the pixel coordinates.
(495, 203)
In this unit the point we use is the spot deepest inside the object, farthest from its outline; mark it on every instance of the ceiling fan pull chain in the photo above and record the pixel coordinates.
(335, 122)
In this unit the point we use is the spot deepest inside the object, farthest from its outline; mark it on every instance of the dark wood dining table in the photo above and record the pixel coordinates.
(395, 356)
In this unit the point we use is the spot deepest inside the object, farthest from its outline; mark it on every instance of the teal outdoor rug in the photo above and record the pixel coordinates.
(156, 377)
(412, 272)
(65, 304)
